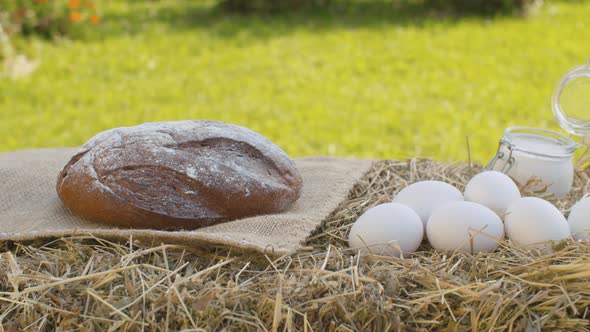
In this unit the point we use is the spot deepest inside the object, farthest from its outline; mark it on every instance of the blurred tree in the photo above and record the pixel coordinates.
(451, 6)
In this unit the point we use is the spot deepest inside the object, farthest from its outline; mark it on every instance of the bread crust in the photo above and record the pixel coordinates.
(178, 175)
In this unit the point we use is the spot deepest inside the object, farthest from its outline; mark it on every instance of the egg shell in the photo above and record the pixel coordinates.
(425, 196)
(386, 228)
(466, 227)
(579, 220)
(493, 189)
(532, 221)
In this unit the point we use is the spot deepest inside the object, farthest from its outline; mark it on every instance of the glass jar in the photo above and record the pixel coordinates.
(543, 159)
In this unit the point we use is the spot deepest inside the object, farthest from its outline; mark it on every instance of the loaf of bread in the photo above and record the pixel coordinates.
(178, 175)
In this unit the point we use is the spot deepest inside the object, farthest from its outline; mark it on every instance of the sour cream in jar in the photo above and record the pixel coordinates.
(530, 154)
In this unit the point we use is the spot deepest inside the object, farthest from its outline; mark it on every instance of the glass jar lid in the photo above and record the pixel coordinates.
(571, 101)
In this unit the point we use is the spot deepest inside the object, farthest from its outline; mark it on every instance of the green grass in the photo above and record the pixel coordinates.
(362, 79)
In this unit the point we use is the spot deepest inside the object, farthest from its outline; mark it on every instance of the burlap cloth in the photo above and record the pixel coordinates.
(30, 208)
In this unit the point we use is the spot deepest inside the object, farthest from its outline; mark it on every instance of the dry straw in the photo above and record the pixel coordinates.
(91, 284)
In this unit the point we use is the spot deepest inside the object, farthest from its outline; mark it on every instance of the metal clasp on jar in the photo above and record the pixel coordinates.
(500, 155)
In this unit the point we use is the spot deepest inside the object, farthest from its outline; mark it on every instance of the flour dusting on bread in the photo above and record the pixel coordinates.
(186, 173)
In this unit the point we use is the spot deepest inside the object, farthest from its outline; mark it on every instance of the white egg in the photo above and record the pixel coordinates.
(464, 226)
(493, 189)
(579, 220)
(531, 221)
(385, 229)
(425, 196)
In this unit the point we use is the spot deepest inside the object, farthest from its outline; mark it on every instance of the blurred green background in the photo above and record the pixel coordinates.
(364, 78)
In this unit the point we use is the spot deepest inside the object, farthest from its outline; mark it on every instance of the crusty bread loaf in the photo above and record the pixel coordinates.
(178, 175)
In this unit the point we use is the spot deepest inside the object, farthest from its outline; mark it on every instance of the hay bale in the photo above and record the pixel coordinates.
(93, 284)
